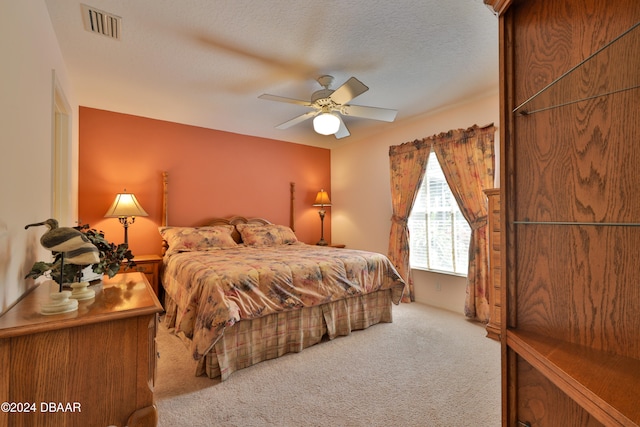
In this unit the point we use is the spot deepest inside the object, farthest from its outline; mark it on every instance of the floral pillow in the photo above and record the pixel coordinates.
(185, 239)
(266, 235)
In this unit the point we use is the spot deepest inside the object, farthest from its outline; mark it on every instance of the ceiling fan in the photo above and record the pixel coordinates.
(330, 105)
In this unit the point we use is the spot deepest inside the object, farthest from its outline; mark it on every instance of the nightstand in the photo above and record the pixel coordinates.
(150, 266)
(338, 246)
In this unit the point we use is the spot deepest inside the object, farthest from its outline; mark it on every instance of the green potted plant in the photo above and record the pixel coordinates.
(112, 258)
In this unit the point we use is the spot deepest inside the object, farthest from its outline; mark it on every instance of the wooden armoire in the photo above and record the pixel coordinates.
(570, 237)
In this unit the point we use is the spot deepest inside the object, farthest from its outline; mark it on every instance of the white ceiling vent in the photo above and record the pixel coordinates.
(100, 22)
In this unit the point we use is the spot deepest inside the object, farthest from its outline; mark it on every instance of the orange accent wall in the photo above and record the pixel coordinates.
(211, 174)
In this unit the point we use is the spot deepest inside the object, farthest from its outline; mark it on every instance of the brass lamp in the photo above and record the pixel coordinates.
(125, 206)
(322, 200)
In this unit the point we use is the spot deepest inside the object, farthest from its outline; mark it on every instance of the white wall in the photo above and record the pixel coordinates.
(361, 193)
(29, 53)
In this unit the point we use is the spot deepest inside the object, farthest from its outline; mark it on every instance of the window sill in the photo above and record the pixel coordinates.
(448, 273)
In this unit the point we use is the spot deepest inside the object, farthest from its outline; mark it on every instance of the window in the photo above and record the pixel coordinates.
(439, 234)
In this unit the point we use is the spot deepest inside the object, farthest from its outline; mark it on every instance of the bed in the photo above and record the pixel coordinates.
(239, 291)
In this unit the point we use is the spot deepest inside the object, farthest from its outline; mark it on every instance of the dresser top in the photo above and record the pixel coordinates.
(123, 296)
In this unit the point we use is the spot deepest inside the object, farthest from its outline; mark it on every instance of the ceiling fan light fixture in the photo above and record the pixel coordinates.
(329, 106)
(326, 123)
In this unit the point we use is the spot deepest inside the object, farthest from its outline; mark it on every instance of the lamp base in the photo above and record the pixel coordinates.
(322, 242)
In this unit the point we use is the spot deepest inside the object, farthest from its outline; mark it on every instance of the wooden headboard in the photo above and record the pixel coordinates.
(234, 220)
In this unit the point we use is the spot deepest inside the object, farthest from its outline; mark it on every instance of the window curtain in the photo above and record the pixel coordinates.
(467, 159)
(408, 163)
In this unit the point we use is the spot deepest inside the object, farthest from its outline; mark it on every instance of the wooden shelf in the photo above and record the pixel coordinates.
(570, 234)
(602, 383)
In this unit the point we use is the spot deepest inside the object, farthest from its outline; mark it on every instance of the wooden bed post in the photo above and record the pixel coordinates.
(293, 198)
(165, 194)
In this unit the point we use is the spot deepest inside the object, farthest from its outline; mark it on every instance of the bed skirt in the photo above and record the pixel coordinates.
(255, 340)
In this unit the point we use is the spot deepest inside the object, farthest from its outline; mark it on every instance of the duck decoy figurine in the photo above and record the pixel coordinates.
(73, 246)
(77, 248)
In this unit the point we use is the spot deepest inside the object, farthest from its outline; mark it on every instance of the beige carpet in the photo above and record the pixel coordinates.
(429, 367)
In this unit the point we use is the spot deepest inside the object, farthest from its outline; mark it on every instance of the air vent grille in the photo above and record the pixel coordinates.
(100, 22)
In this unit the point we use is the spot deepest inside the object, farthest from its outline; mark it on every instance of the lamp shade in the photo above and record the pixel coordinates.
(322, 199)
(326, 123)
(125, 205)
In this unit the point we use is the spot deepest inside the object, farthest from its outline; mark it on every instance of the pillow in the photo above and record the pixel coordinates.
(185, 239)
(266, 235)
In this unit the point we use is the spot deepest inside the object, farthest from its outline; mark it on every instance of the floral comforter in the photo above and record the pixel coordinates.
(217, 288)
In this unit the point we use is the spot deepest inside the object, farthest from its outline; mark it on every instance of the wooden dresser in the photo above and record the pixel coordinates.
(92, 367)
(495, 305)
(570, 126)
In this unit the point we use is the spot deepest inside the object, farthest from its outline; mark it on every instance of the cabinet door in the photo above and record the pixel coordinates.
(92, 368)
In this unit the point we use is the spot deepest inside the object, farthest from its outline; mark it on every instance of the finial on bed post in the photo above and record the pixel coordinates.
(165, 195)
(293, 198)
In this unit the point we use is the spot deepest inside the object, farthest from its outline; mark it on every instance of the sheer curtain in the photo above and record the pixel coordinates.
(408, 163)
(467, 159)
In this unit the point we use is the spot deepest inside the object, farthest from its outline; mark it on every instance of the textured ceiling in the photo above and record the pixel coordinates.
(205, 62)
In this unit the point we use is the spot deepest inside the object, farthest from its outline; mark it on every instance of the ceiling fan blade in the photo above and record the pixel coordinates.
(349, 90)
(296, 120)
(284, 99)
(373, 113)
(343, 132)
